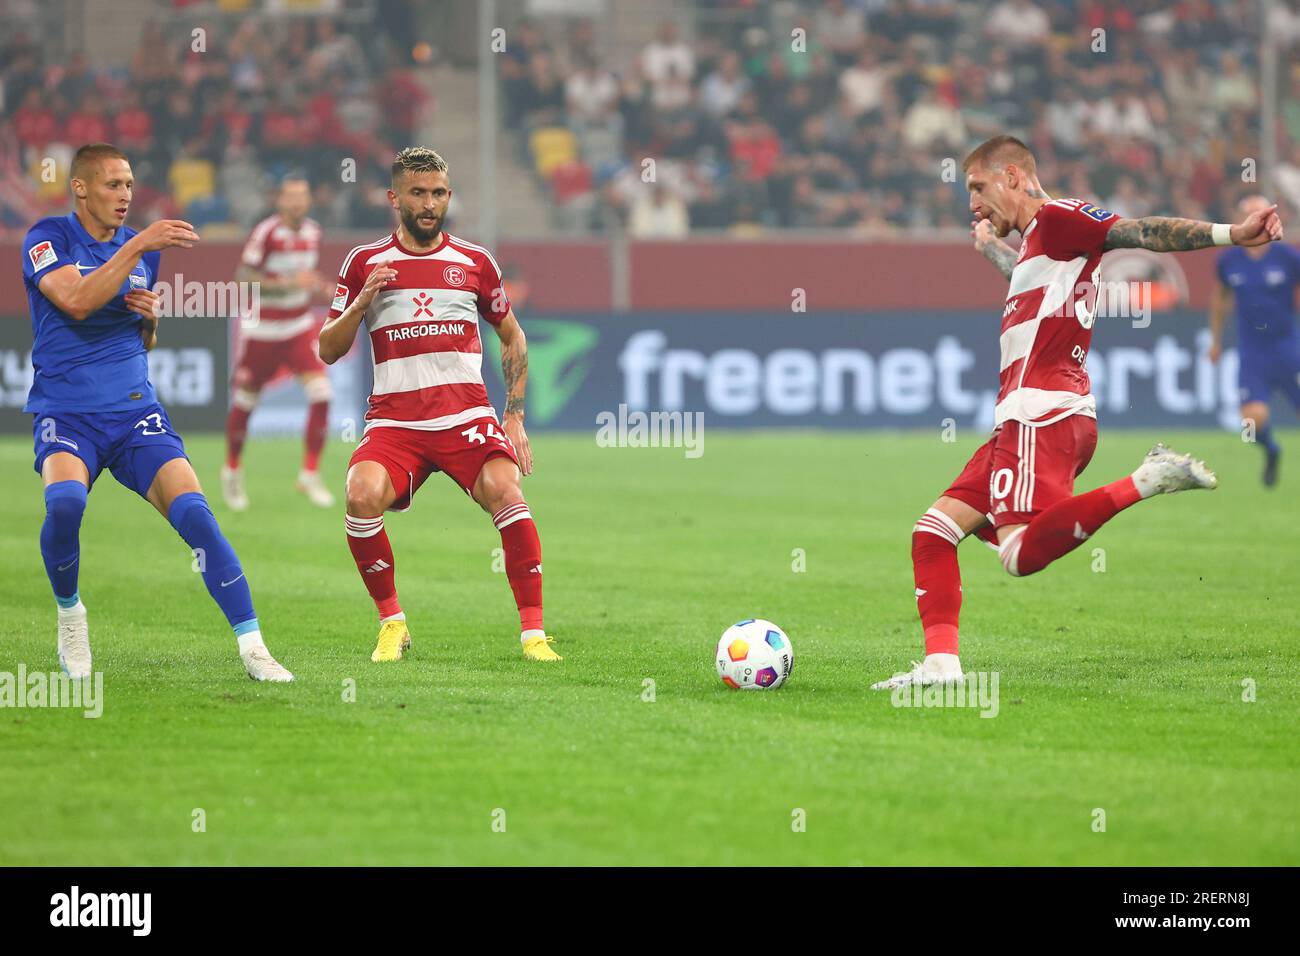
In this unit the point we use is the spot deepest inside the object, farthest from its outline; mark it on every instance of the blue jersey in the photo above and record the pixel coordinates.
(98, 364)
(1263, 291)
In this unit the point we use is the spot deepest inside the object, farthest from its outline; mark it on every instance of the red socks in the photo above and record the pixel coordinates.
(373, 554)
(1055, 532)
(938, 579)
(523, 551)
(1065, 525)
(236, 432)
(318, 417)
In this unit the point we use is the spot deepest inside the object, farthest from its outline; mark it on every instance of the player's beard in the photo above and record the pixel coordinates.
(411, 223)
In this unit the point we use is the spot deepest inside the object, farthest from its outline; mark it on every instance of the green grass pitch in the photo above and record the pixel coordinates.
(1120, 690)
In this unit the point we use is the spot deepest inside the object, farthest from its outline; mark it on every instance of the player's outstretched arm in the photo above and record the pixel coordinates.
(1165, 234)
(79, 296)
(992, 248)
(514, 370)
(337, 334)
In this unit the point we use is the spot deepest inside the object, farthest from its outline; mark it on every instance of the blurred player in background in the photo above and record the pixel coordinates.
(1021, 481)
(421, 293)
(1261, 282)
(89, 281)
(281, 256)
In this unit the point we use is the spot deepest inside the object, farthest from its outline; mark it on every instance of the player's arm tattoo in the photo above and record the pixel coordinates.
(514, 370)
(1001, 255)
(1159, 234)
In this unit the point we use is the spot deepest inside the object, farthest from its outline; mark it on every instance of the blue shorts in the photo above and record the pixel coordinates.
(1261, 373)
(133, 444)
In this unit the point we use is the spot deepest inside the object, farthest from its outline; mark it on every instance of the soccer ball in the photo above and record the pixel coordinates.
(754, 655)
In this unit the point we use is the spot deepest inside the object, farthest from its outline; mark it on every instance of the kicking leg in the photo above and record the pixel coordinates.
(175, 492)
(1063, 526)
(497, 492)
(66, 486)
(370, 493)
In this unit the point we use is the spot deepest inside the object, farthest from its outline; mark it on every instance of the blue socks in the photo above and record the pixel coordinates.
(193, 520)
(65, 503)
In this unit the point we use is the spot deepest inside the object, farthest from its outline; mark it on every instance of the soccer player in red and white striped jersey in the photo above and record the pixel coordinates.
(422, 293)
(1017, 491)
(281, 256)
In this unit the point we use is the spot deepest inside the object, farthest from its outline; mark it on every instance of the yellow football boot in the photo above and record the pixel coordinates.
(393, 639)
(539, 649)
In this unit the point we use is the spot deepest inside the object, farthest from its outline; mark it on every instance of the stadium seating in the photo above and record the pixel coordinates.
(852, 127)
(845, 126)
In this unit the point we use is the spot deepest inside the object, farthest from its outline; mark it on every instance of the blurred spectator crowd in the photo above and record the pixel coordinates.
(742, 115)
(846, 114)
(210, 123)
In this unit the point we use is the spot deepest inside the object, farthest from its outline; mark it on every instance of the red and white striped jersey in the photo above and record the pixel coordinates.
(1047, 322)
(279, 251)
(424, 330)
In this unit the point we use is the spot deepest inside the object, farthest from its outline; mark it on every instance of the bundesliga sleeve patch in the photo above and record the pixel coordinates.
(340, 296)
(42, 254)
(1101, 215)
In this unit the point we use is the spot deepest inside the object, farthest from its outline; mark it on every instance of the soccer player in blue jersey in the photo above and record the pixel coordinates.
(89, 281)
(1261, 281)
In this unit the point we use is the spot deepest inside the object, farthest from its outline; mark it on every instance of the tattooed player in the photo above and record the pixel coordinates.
(1018, 489)
(421, 292)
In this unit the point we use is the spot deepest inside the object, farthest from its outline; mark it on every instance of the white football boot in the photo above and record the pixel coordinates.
(935, 669)
(310, 484)
(232, 488)
(262, 666)
(74, 642)
(1164, 471)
